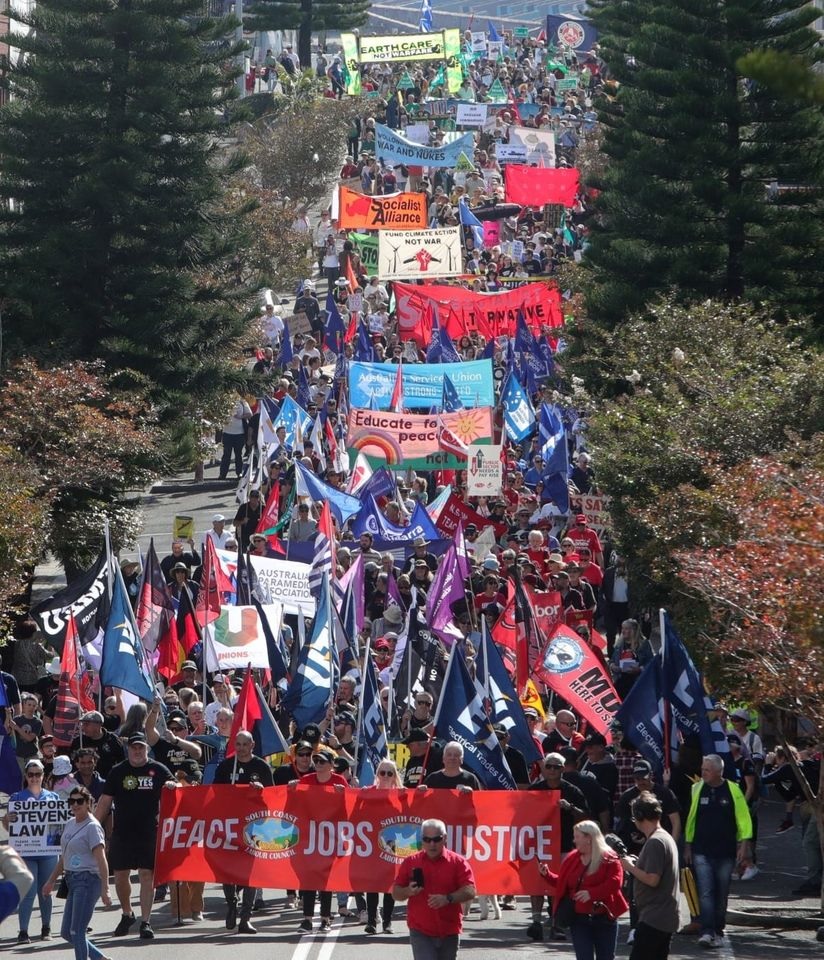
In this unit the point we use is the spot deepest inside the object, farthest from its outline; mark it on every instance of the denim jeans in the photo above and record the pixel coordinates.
(594, 936)
(433, 948)
(712, 877)
(84, 890)
(41, 868)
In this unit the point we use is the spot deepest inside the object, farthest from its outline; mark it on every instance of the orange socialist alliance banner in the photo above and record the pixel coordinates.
(314, 838)
(393, 211)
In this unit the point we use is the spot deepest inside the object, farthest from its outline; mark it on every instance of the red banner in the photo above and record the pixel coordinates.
(314, 838)
(571, 668)
(535, 186)
(455, 511)
(462, 311)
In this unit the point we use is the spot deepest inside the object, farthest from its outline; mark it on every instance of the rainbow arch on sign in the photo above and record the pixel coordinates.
(384, 444)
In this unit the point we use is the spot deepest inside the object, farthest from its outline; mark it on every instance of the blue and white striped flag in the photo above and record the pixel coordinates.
(426, 16)
(372, 735)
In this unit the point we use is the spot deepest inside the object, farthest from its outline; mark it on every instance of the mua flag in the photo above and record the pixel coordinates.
(461, 717)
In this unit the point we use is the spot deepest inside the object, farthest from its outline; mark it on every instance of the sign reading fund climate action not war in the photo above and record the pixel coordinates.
(410, 46)
(403, 440)
(394, 211)
(314, 838)
(422, 383)
(419, 254)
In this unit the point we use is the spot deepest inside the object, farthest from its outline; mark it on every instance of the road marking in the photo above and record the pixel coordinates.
(329, 941)
(308, 940)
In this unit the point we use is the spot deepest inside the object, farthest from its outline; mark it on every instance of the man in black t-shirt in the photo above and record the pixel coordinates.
(514, 758)
(670, 808)
(452, 776)
(244, 768)
(106, 745)
(301, 765)
(418, 742)
(173, 749)
(134, 788)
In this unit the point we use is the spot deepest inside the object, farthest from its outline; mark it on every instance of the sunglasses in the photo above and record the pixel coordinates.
(34, 773)
(320, 761)
(76, 800)
(386, 773)
(553, 766)
(436, 839)
(304, 753)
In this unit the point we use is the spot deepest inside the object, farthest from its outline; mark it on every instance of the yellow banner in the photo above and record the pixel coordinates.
(412, 46)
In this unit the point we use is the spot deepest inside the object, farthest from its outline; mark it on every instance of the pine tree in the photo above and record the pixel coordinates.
(307, 16)
(113, 242)
(714, 183)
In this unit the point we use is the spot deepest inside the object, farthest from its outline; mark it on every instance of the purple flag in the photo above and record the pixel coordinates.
(393, 593)
(354, 578)
(447, 588)
(461, 553)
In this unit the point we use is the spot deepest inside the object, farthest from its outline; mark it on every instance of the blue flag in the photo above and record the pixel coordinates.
(380, 484)
(524, 337)
(504, 702)
(364, 348)
(343, 505)
(286, 352)
(124, 665)
(683, 688)
(641, 715)
(275, 647)
(450, 401)
(10, 777)
(489, 350)
(372, 737)
(310, 691)
(468, 219)
(461, 717)
(553, 441)
(492, 33)
(290, 413)
(519, 414)
(304, 397)
(425, 26)
(334, 333)
(371, 520)
(448, 352)
(434, 353)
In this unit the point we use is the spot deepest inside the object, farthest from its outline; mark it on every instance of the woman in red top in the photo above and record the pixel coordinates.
(386, 778)
(591, 876)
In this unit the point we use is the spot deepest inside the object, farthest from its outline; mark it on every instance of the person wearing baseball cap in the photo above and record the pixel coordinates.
(670, 810)
(105, 744)
(418, 743)
(583, 535)
(219, 535)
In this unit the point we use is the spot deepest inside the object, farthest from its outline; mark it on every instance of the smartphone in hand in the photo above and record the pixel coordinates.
(417, 877)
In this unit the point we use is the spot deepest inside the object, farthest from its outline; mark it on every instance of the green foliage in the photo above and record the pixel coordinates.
(790, 76)
(686, 393)
(690, 200)
(308, 17)
(112, 162)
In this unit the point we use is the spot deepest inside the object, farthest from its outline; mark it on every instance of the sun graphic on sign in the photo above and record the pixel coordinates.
(467, 425)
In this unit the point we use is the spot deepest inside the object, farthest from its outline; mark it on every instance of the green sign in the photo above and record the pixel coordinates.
(569, 84)
(464, 164)
(405, 82)
(521, 33)
(496, 92)
(367, 247)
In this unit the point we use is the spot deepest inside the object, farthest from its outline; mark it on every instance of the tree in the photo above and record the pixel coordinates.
(80, 445)
(714, 183)
(113, 169)
(307, 17)
(685, 393)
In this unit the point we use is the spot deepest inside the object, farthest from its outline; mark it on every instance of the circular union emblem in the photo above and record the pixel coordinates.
(271, 834)
(400, 840)
(571, 34)
(562, 655)
(130, 783)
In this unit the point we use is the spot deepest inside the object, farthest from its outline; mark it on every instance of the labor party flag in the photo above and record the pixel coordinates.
(569, 666)
(462, 717)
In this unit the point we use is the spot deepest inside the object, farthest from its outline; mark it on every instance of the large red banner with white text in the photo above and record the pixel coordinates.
(570, 667)
(315, 838)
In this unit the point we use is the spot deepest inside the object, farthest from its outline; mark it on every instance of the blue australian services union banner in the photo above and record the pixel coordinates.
(397, 149)
(371, 384)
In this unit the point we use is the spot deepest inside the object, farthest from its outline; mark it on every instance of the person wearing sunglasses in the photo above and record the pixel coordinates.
(435, 881)
(33, 795)
(324, 776)
(387, 777)
(83, 863)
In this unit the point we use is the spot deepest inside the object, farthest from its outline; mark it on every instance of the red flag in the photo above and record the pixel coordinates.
(155, 613)
(537, 186)
(326, 526)
(514, 104)
(73, 693)
(271, 512)
(170, 652)
(396, 404)
(350, 276)
(213, 584)
(331, 443)
(570, 667)
(352, 329)
(449, 441)
(247, 711)
(503, 633)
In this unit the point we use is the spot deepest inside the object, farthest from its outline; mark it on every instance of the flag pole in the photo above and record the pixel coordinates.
(435, 719)
(662, 626)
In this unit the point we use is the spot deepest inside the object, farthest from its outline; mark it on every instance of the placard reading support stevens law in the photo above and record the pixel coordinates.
(36, 826)
(419, 254)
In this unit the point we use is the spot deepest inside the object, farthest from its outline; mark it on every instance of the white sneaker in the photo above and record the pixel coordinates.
(631, 937)
(706, 940)
(362, 918)
(719, 941)
(750, 873)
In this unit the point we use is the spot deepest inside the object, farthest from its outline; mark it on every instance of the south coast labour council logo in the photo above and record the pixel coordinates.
(271, 835)
(562, 655)
(399, 838)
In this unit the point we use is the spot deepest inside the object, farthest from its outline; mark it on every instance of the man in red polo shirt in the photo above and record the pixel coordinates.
(436, 882)
(583, 536)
